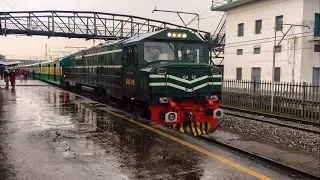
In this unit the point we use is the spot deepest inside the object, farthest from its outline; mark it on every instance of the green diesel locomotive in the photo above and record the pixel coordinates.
(166, 73)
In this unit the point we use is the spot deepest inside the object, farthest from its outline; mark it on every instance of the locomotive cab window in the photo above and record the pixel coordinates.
(130, 55)
(155, 51)
(190, 52)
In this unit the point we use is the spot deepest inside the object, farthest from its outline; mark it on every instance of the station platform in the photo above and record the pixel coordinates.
(24, 83)
(48, 133)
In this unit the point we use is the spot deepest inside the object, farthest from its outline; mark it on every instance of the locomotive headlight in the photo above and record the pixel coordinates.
(161, 71)
(214, 98)
(179, 35)
(174, 35)
(169, 34)
(171, 117)
(184, 35)
(214, 71)
(163, 100)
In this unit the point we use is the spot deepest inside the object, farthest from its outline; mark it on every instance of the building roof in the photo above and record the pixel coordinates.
(9, 63)
(230, 4)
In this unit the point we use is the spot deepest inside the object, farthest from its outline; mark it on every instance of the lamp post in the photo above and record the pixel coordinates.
(274, 55)
(197, 16)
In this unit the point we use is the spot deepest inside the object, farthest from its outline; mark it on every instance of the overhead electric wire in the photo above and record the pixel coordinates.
(262, 42)
(8, 5)
(181, 7)
(264, 39)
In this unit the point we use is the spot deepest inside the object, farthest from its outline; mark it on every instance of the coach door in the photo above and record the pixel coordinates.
(54, 72)
(130, 72)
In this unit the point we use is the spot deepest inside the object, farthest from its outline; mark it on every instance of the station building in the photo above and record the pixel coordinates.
(251, 26)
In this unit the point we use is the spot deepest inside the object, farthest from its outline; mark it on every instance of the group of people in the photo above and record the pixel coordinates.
(10, 75)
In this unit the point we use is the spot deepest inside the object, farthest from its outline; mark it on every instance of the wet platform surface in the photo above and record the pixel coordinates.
(48, 133)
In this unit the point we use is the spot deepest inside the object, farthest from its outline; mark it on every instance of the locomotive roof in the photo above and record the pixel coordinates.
(162, 33)
(142, 36)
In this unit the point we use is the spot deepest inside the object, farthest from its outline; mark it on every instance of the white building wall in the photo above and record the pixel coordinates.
(310, 59)
(293, 46)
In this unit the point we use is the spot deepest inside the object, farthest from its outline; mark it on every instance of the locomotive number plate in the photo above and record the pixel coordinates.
(130, 82)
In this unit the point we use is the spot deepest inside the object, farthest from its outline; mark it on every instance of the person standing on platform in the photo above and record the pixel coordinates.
(33, 74)
(6, 76)
(25, 74)
(13, 79)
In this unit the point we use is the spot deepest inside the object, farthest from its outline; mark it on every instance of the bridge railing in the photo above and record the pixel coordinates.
(74, 24)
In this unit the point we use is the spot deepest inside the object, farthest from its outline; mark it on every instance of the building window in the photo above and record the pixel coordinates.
(279, 23)
(316, 48)
(256, 74)
(258, 26)
(256, 50)
(240, 29)
(277, 73)
(239, 74)
(317, 25)
(316, 76)
(239, 51)
(278, 49)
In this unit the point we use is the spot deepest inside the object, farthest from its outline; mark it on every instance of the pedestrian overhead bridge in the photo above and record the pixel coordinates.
(80, 24)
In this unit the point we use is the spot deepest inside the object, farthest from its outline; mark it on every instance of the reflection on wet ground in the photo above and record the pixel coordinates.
(47, 133)
(60, 129)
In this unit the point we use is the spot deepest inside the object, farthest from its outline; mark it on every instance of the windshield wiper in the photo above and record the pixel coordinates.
(151, 54)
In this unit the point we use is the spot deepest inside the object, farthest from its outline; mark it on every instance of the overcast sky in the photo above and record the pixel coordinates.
(27, 47)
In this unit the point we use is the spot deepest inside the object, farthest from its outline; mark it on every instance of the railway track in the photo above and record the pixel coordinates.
(273, 122)
(280, 118)
(261, 158)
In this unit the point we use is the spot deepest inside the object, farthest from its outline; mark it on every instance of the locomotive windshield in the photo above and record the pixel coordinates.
(190, 52)
(155, 51)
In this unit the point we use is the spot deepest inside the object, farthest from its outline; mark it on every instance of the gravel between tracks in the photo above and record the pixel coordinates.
(271, 133)
(305, 126)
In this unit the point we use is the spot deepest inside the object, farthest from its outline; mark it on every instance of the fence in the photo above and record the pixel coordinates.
(293, 99)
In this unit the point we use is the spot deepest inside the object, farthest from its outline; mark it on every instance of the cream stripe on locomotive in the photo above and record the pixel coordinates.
(101, 53)
(184, 88)
(110, 66)
(184, 80)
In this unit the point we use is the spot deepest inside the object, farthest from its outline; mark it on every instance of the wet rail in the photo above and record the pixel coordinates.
(269, 161)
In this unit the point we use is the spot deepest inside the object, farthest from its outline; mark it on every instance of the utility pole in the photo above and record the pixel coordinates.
(197, 16)
(274, 55)
(46, 53)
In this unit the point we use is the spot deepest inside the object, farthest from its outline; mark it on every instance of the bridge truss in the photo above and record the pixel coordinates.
(79, 24)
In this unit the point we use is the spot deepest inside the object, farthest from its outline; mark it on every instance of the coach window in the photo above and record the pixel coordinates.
(129, 60)
(125, 55)
(135, 55)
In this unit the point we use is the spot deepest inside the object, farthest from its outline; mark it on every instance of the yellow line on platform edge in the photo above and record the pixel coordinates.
(206, 152)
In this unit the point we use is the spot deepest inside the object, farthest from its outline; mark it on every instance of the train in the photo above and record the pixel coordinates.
(165, 73)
